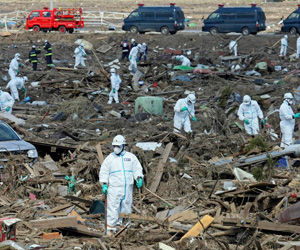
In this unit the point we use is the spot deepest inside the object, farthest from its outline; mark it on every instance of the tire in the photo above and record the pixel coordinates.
(245, 31)
(213, 31)
(173, 32)
(133, 29)
(254, 33)
(142, 32)
(71, 30)
(62, 29)
(164, 30)
(293, 31)
(36, 28)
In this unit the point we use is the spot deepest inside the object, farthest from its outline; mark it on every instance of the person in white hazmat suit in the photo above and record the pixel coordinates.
(6, 102)
(133, 58)
(284, 46)
(117, 174)
(15, 84)
(115, 81)
(184, 109)
(287, 123)
(233, 47)
(14, 66)
(79, 56)
(184, 60)
(298, 47)
(249, 111)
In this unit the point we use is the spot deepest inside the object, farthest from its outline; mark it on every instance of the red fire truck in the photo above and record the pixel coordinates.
(61, 19)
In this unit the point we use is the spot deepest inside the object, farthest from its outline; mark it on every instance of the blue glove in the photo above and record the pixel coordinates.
(247, 122)
(263, 122)
(7, 109)
(184, 109)
(104, 189)
(139, 182)
(114, 90)
(194, 118)
(297, 115)
(130, 57)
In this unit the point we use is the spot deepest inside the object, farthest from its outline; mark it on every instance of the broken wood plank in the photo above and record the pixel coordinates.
(138, 217)
(160, 168)
(100, 154)
(52, 223)
(198, 227)
(85, 230)
(169, 204)
(59, 208)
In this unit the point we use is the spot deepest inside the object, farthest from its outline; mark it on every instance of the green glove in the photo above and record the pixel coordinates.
(23, 90)
(139, 182)
(130, 57)
(194, 118)
(297, 115)
(114, 90)
(7, 109)
(18, 71)
(184, 109)
(247, 122)
(104, 188)
(263, 122)
(20, 64)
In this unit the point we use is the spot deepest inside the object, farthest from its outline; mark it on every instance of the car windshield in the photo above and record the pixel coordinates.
(214, 16)
(7, 133)
(134, 14)
(293, 16)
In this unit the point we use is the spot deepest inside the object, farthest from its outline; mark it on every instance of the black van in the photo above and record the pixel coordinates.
(292, 22)
(162, 19)
(245, 20)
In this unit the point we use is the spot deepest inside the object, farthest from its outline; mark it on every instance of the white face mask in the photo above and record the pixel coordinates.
(118, 150)
(289, 101)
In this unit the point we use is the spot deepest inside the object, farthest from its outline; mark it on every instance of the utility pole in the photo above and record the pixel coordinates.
(51, 4)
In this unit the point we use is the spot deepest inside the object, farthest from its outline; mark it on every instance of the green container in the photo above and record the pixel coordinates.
(149, 104)
(180, 67)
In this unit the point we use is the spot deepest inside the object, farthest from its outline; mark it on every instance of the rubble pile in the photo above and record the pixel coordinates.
(215, 188)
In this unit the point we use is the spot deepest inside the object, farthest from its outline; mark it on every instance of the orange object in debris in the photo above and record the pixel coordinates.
(78, 217)
(51, 236)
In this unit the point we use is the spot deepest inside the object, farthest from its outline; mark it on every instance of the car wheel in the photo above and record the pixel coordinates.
(62, 29)
(293, 31)
(142, 32)
(173, 32)
(133, 29)
(245, 31)
(71, 31)
(164, 30)
(213, 31)
(36, 28)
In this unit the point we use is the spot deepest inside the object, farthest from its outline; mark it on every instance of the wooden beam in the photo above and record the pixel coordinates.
(52, 223)
(100, 154)
(160, 168)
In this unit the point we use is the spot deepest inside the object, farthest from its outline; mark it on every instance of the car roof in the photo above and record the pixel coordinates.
(240, 9)
(156, 8)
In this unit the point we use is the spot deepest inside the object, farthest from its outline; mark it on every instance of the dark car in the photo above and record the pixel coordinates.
(245, 20)
(161, 19)
(292, 22)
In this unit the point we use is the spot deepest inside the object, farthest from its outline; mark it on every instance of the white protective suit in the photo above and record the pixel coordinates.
(14, 85)
(287, 124)
(13, 68)
(133, 58)
(115, 81)
(119, 173)
(6, 101)
(250, 112)
(184, 60)
(233, 47)
(79, 56)
(284, 45)
(182, 118)
(298, 47)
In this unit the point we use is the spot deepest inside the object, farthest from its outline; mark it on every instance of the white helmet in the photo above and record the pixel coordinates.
(33, 46)
(46, 41)
(132, 40)
(191, 98)
(112, 70)
(144, 44)
(81, 45)
(25, 78)
(17, 55)
(119, 140)
(288, 96)
(286, 36)
(139, 45)
(247, 99)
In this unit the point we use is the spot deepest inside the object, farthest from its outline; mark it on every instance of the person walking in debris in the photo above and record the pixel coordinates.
(79, 56)
(287, 123)
(125, 49)
(184, 109)
(14, 66)
(248, 112)
(33, 57)
(184, 60)
(48, 55)
(284, 46)
(143, 52)
(6, 102)
(117, 174)
(115, 81)
(133, 43)
(133, 58)
(15, 84)
(233, 47)
(298, 47)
